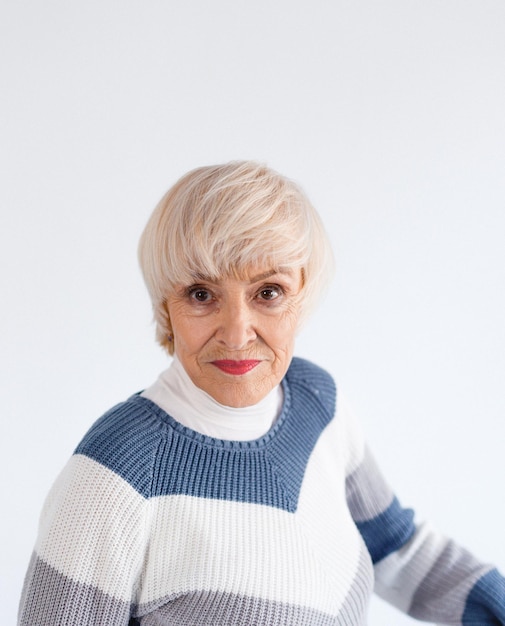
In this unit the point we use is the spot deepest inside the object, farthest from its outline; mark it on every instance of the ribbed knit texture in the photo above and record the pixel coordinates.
(152, 523)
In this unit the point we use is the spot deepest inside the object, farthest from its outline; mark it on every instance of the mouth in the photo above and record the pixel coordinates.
(237, 368)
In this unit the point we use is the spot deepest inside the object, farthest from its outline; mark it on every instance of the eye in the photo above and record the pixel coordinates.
(270, 292)
(199, 294)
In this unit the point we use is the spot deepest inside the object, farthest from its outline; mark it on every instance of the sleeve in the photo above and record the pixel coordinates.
(418, 570)
(87, 561)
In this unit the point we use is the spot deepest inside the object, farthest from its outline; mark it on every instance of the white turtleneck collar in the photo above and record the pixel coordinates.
(177, 395)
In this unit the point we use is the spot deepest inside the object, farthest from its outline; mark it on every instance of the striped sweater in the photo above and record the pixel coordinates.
(152, 523)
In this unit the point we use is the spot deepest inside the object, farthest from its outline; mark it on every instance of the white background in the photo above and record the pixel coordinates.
(391, 116)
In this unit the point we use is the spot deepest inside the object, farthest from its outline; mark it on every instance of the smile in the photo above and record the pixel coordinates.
(237, 368)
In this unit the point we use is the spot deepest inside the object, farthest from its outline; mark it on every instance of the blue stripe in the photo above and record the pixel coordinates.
(158, 457)
(387, 532)
(485, 605)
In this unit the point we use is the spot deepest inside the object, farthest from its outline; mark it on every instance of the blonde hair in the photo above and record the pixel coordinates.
(219, 221)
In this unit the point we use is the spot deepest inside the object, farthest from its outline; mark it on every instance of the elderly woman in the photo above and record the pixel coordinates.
(238, 489)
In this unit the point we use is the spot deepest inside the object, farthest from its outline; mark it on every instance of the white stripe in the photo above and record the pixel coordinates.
(91, 528)
(244, 549)
(352, 434)
(399, 575)
(323, 511)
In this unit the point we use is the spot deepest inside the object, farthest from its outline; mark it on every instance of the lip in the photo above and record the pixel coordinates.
(237, 368)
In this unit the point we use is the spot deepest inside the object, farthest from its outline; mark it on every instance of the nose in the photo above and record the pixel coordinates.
(236, 325)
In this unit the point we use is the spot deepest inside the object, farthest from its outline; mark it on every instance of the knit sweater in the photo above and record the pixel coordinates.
(152, 523)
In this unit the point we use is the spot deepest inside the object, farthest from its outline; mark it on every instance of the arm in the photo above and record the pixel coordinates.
(432, 578)
(417, 570)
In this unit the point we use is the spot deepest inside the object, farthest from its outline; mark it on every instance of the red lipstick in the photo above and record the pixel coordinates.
(236, 368)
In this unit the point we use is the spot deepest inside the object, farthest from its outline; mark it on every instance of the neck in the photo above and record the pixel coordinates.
(176, 394)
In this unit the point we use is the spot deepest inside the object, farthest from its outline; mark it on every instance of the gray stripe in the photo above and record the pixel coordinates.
(442, 594)
(208, 608)
(367, 493)
(50, 598)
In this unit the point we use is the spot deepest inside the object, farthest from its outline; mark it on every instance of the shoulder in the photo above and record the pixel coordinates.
(125, 440)
(312, 380)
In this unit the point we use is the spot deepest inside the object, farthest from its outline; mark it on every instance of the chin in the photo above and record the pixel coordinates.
(237, 398)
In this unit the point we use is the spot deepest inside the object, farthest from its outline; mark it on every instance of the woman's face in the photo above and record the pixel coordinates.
(235, 337)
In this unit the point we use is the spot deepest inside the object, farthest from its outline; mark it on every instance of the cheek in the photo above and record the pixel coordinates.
(282, 335)
(191, 334)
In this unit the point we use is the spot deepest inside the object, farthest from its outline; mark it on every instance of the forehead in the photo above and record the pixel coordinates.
(253, 274)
